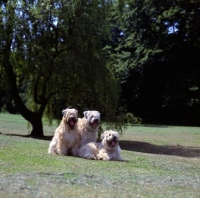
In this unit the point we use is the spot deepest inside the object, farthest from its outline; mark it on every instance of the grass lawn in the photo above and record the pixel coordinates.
(160, 161)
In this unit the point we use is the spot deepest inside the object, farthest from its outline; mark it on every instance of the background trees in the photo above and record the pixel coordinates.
(56, 54)
(158, 59)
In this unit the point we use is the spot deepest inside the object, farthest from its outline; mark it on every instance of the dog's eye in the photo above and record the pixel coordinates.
(109, 134)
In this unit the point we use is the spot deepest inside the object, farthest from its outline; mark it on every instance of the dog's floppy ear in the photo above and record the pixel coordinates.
(64, 112)
(85, 114)
(102, 135)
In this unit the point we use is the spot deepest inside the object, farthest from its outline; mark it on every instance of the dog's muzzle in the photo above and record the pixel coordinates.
(114, 141)
(95, 123)
(72, 122)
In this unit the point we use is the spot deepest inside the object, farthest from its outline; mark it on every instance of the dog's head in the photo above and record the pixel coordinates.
(110, 139)
(93, 118)
(70, 116)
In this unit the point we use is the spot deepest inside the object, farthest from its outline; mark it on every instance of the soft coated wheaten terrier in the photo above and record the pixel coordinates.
(108, 149)
(66, 137)
(88, 126)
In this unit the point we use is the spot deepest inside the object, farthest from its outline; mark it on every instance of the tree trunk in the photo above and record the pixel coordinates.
(37, 126)
(35, 118)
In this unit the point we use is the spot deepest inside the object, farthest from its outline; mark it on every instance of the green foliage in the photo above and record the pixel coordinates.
(154, 53)
(52, 50)
(151, 27)
(131, 119)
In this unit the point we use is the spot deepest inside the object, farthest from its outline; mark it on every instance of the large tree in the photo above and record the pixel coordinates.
(52, 49)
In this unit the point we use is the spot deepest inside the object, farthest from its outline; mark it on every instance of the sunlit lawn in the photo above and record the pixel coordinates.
(160, 161)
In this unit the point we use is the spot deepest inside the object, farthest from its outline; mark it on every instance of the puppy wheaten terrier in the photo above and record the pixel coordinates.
(88, 126)
(66, 137)
(108, 149)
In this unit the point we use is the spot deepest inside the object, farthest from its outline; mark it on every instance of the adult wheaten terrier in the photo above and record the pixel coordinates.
(66, 137)
(88, 126)
(108, 149)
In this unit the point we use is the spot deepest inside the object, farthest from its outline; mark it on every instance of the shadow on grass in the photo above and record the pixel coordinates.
(145, 147)
(48, 138)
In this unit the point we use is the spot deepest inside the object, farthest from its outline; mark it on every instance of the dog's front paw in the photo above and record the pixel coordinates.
(91, 157)
(106, 158)
(103, 157)
(61, 152)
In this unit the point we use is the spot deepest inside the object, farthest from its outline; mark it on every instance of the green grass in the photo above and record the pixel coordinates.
(162, 135)
(160, 161)
(16, 124)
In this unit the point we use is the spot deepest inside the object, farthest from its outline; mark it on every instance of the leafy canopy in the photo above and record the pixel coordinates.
(51, 50)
